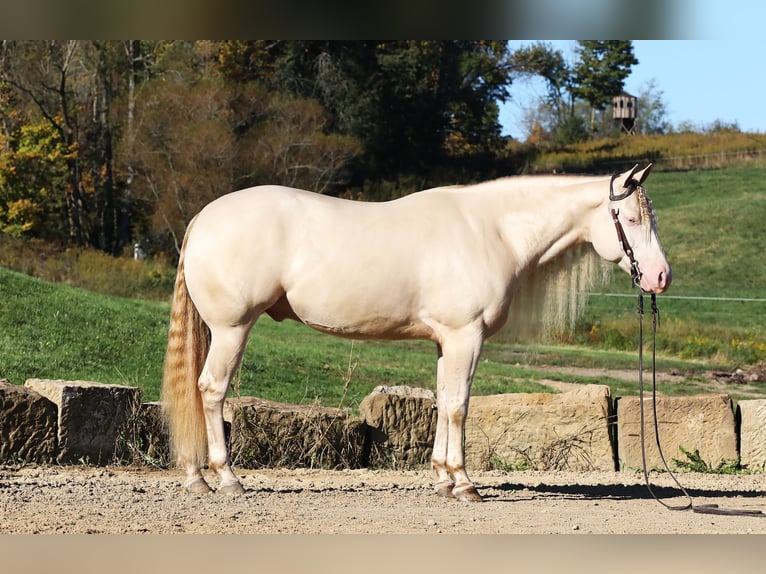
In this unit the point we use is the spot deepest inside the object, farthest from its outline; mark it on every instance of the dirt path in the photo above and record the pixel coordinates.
(135, 500)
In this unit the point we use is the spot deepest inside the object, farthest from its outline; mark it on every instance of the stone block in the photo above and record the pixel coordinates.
(402, 425)
(543, 431)
(27, 425)
(91, 417)
(701, 422)
(752, 433)
(271, 434)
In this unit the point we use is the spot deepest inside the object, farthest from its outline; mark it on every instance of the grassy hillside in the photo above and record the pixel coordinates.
(683, 151)
(56, 331)
(711, 223)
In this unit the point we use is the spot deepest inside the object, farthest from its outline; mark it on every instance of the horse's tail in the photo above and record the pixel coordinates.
(188, 345)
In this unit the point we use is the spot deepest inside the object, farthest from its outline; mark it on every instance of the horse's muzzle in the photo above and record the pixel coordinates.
(656, 280)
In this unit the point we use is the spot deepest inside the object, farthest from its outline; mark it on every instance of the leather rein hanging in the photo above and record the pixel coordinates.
(635, 274)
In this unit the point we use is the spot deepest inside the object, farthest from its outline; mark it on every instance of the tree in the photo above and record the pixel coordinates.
(542, 60)
(33, 167)
(652, 112)
(199, 135)
(410, 104)
(47, 75)
(600, 72)
(74, 86)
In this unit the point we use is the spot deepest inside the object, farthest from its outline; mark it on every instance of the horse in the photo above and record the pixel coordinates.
(441, 265)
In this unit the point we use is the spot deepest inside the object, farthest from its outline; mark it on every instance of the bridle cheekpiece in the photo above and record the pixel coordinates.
(635, 272)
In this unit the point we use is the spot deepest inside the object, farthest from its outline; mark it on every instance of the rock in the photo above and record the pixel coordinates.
(27, 425)
(91, 417)
(402, 424)
(270, 434)
(700, 422)
(544, 431)
(752, 433)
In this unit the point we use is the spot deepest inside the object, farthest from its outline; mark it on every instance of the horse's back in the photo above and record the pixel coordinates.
(353, 268)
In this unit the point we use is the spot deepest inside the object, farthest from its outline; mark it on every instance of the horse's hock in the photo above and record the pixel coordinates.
(48, 421)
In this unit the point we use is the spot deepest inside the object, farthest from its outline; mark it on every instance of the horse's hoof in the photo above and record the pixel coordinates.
(198, 486)
(444, 488)
(467, 493)
(232, 488)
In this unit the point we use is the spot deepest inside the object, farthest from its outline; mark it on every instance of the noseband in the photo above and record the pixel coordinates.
(635, 272)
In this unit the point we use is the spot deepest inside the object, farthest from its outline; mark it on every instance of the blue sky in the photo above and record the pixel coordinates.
(701, 80)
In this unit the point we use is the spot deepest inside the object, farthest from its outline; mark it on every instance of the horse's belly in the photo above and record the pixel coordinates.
(375, 330)
(354, 317)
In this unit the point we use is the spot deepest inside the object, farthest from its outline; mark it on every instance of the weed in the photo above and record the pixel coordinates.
(496, 463)
(695, 463)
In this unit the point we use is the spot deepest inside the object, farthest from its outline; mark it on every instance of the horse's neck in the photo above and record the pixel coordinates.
(544, 221)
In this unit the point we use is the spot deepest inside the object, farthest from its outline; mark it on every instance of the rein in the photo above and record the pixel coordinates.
(635, 274)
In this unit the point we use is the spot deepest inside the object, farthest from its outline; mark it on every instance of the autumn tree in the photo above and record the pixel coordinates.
(74, 87)
(199, 135)
(47, 74)
(105, 141)
(33, 168)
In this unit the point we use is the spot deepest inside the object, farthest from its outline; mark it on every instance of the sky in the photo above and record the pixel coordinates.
(700, 81)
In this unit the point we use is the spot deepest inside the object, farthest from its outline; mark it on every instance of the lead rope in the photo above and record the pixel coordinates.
(702, 508)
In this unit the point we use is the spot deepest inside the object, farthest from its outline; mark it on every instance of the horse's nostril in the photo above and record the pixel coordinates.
(664, 280)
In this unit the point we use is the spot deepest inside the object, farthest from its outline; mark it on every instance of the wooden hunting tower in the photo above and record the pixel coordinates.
(624, 111)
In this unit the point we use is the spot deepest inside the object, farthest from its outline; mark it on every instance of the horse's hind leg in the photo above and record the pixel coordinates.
(227, 345)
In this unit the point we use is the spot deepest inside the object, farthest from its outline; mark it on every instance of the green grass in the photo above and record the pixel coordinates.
(57, 331)
(711, 224)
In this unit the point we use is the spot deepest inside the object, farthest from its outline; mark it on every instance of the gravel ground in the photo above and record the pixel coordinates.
(118, 500)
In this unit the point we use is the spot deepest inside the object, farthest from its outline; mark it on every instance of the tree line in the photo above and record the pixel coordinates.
(104, 143)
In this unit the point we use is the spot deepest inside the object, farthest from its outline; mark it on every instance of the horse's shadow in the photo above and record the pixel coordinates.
(614, 491)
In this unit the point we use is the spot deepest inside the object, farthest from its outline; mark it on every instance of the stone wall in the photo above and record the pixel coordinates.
(48, 421)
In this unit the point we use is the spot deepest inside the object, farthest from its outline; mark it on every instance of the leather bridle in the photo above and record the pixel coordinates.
(635, 272)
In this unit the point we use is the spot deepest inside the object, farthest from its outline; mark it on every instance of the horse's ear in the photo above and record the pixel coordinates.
(641, 176)
(622, 180)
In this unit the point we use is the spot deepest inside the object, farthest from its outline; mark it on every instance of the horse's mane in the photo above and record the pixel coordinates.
(551, 298)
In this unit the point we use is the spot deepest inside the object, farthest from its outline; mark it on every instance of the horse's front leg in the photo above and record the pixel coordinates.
(444, 482)
(455, 369)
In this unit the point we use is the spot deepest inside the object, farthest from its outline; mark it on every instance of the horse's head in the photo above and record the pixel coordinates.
(627, 233)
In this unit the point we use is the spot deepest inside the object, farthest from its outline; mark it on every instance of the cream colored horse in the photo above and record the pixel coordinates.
(441, 265)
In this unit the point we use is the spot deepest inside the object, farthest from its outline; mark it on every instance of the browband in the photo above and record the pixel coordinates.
(632, 185)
